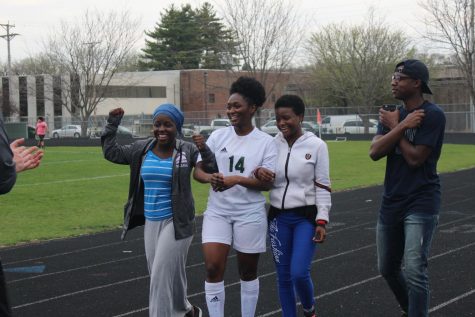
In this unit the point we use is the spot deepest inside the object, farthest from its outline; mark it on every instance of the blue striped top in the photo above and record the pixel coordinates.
(157, 177)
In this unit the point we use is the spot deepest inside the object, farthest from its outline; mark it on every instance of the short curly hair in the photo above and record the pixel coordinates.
(291, 101)
(250, 89)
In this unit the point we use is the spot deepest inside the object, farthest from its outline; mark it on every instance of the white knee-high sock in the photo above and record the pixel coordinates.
(249, 296)
(215, 298)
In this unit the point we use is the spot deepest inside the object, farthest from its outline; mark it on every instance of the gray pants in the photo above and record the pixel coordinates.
(166, 260)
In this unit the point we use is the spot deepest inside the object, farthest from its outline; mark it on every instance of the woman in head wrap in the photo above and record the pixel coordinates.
(159, 197)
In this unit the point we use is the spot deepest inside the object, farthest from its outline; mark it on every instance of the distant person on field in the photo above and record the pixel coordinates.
(14, 158)
(411, 139)
(236, 215)
(41, 130)
(300, 202)
(160, 197)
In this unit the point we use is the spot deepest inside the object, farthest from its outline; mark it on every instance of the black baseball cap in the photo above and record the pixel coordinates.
(415, 69)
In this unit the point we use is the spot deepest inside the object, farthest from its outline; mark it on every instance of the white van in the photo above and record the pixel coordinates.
(334, 124)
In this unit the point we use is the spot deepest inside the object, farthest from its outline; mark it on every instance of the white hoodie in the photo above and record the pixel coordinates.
(302, 175)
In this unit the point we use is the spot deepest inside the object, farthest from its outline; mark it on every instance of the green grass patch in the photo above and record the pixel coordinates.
(76, 191)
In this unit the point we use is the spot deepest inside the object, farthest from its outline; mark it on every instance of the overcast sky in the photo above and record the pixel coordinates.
(35, 19)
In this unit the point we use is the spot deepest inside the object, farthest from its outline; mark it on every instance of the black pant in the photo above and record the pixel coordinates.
(5, 310)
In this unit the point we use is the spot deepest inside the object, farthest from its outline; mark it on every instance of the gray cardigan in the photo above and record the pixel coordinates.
(133, 155)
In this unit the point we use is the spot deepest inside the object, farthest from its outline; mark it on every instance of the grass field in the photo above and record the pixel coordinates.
(76, 191)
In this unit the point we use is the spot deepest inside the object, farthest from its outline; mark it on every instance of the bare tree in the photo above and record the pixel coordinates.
(36, 65)
(353, 64)
(92, 50)
(268, 35)
(451, 23)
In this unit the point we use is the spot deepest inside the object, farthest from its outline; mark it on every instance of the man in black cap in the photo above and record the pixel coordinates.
(411, 138)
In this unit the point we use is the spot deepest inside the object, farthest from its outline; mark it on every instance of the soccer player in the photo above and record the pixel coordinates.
(236, 213)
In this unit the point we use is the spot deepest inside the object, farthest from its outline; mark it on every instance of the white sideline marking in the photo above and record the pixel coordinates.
(453, 300)
(69, 161)
(72, 180)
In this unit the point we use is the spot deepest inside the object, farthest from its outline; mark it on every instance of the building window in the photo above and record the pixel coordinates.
(23, 91)
(74, 87)
(134, 91)
(211, 98)
(40, 95)
(6, 106)
(57, 102)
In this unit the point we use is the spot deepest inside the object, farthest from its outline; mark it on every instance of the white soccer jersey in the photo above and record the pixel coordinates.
(240, 155)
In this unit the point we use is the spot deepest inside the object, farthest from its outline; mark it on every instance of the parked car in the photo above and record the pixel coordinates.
(271, 127)
(331, 124)
(187, 132)
(356, 127)
(69, 131)
(215, 125)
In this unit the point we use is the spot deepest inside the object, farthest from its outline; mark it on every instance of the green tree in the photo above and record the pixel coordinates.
(218, 47)
(186, 39)
(175, 42)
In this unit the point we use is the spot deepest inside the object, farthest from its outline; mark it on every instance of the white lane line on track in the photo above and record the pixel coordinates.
(110, 262)
(196, 264)
(77, 268)
(453, 300)
(236, 283)
(70, 252)
(260, 276)
(146, 276)
(80, 292)
(72, 180)
(372, 278)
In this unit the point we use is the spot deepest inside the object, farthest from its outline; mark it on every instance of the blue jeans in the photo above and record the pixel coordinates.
(409, 239)
(292, 249)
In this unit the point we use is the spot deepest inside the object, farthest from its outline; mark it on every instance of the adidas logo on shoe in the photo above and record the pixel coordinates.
(214, 299)
(223, 150)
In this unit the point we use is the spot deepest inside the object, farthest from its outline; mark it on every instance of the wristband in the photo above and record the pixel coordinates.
(321, 222)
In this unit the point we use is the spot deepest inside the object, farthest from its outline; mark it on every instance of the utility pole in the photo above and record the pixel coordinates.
(8, 37)
(472, 57)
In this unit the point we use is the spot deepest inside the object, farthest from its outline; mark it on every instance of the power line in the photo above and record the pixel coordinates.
(8, 37)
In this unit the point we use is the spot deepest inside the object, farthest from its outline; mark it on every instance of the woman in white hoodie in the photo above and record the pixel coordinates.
(300, 202)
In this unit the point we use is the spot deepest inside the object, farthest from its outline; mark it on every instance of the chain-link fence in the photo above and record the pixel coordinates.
(459, 120)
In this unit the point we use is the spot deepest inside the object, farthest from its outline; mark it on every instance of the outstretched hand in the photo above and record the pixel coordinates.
(25, 158)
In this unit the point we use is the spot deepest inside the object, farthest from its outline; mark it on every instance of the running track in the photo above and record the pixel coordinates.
(98, 275)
